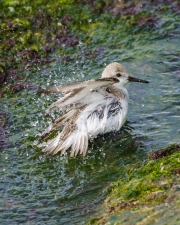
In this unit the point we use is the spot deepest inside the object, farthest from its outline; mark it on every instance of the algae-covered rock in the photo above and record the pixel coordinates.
(148, 193)
(57, 26)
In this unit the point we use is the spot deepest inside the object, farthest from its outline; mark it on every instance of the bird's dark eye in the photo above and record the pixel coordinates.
(118, 75)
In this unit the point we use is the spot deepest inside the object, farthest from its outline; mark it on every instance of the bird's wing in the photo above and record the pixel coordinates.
(74, 92)
(64, 88)
(69, 87)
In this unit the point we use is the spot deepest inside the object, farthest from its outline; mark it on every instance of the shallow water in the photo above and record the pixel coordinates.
(63, 190)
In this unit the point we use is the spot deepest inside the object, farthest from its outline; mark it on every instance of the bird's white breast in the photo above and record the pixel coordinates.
(104, 112)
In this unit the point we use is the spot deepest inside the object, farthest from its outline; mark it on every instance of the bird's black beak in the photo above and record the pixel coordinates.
(133, 79)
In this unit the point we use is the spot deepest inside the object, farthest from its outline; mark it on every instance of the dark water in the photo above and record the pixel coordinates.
(36, 189)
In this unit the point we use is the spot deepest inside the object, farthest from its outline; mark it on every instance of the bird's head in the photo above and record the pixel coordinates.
(119, 72)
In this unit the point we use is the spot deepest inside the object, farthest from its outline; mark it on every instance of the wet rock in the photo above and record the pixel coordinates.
(66, 19)
(46, 48)
(68, 40)
(19, 86)
(43, 19)
(176, 9)
(148, 186)
(48, 38)
(124, 8)
(164, 152)
(10, 43)
(12, 74)
(16, 87)
(98, 7)
(32, 57)
(2, 76)
(28, 54)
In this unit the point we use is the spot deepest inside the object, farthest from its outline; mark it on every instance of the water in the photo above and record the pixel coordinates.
(36, 189)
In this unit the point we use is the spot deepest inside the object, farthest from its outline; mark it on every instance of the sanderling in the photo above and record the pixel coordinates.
(90, 108)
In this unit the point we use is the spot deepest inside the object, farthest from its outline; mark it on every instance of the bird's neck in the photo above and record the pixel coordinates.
(119, 86)
(119, 90)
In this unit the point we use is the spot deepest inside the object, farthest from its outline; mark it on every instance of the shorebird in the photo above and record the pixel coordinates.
(90, 108)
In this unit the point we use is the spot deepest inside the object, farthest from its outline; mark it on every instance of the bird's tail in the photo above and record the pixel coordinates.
(72, 136)
(76, 140)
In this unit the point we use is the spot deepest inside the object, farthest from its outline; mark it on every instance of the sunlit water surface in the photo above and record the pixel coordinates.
(36, 189)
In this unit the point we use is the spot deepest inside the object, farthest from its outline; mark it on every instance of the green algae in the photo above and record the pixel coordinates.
(31, 31)
(145, 187)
